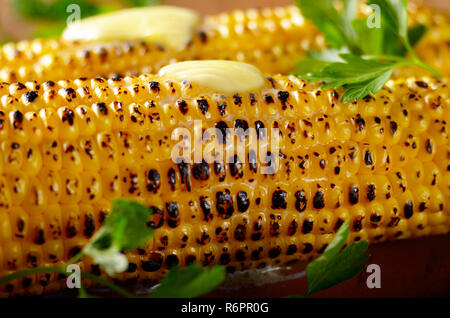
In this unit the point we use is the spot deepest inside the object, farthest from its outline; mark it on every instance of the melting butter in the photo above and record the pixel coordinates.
(221, 76)
(167, 25)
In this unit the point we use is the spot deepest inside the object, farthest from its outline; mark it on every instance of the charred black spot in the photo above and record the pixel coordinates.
(20, 225)
(292, 229)
(190, 259)
(221, 107)
(153, 264)
(224, 203)
(201, 170)
(237, 100)
(222, 132)
(408, 209)
(357, 224)
(283, 97)
(307, 226)
(241, 127)
(353, 194)
(39, 238)
(252, 99)
(172, 209)
(203, 105)
(240, 256)
(368, 158)
(68, 115)
(279, 199)
(421, 84)
(157, 218)
(154, 86)
(17, 119)
(205, 205)
(185, 173)
(308, 248)
(132, 267)
(268, 99)
(26, 282)
(101, 108)
(74, 251)
(71, 231)
(275, 252)
(203, 36)
(204, 238)
(183, 106)
(219, 170)
(30, 96)
(292, 249)
(236, 168)
(242, 201)
(422, 206)
(225, 259)
(338, 224)
(89, 226)
(239, 232)
(300, 203)
(370, 192)
(153, 181)
(428, 146)
(360, 123)
(318, 200)
(375, 218)
(171, 175)
(394, 127)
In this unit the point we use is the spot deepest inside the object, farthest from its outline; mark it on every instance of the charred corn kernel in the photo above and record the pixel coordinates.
(385, 175)
(271, 39)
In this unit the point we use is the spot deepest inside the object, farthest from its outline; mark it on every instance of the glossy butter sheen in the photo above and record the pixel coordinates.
(222, 76)
(167, 25)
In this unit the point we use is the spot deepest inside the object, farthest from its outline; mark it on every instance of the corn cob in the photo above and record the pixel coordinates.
(271, 39)
(69, 148)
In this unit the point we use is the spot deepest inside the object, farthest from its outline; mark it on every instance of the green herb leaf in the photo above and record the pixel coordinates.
(371, 54)
(82, 293)
(190, 282)
(143, 3)
(335, 266)
(370, 40)
(395, 15)
(328, 20)
(125, 228)
(136, 232)
(52, 10)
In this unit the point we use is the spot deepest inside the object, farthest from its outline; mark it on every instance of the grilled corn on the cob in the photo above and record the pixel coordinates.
(69, 148)
(271, 39)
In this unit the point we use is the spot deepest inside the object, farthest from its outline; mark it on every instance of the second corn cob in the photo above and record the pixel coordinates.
(69, 148)
(271, 39)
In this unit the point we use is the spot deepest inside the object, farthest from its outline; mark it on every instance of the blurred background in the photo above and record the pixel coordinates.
(23, 19)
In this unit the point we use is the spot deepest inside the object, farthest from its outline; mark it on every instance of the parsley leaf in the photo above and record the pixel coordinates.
(190, 282)
(361, 58)
(125, 228)
(142, 3)
(52, 10)
(333, 25)
(395, 15)
(334, 266)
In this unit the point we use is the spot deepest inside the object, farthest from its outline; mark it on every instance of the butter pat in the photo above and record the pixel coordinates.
(221, 76)
(167, 25)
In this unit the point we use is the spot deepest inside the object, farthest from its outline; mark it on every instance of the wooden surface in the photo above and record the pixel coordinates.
(409, 268)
